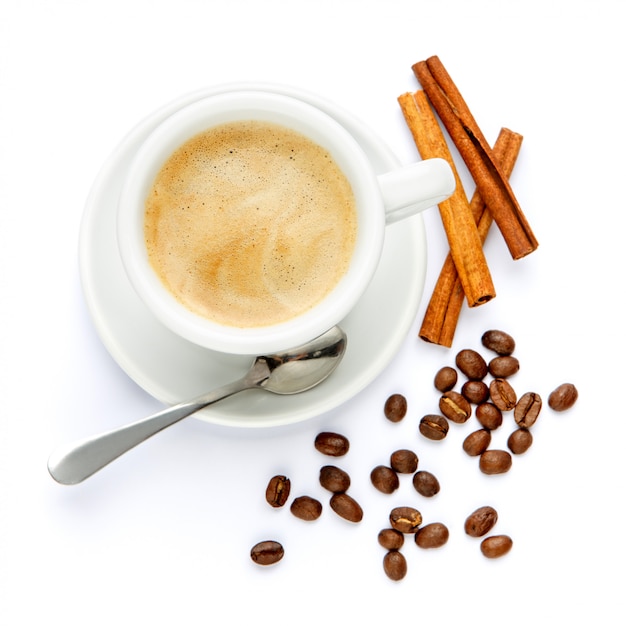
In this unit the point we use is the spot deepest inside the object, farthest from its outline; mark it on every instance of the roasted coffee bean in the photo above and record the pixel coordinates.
(495, 462)
(395, 407)
(426, 484)
(445, 378)
(489, 415)
(432, 535)
(306, 508)
(405, 519)
(527, 409)
(347, 507)
(404, 461)
(394, 564)
(563, 397)
(475, 391)
(434, 427)
(496, 546)
(384, 479)
(472, 364)
(519, 441)
(455, 407)
(477, 442)
(391, 539)
(498, 341)
(481, 521)
(277, 491)
(502, 394)
(503, 366)
(267, 552)
(332, 444)
(334, 479)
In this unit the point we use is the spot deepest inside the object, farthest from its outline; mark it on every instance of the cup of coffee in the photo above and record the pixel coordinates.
(251, 222)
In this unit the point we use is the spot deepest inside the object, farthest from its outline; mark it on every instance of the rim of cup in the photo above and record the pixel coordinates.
(236, 106)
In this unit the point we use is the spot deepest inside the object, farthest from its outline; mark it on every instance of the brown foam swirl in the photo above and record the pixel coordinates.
(250, 224)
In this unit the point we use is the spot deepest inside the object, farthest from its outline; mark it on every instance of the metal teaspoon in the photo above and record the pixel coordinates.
(291, 372)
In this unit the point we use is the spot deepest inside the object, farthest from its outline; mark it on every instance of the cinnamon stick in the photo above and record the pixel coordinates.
(478, 156)
(460, 227)
(443, 310)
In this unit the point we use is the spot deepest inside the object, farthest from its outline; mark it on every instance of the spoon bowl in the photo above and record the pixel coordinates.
(290, 372)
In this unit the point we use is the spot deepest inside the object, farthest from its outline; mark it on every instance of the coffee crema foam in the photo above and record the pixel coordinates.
(250, 224)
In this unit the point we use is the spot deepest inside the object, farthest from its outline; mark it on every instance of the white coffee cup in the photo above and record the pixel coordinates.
(380, 200)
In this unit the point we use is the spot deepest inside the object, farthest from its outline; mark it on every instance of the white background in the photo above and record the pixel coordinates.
(163, 535)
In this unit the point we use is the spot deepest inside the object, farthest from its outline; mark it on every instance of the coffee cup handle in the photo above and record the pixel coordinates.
(413, 188)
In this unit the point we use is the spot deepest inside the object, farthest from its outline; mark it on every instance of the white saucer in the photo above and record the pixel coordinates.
(171, 369)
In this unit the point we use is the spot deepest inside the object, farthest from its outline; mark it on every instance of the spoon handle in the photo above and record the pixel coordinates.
(74, 463)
